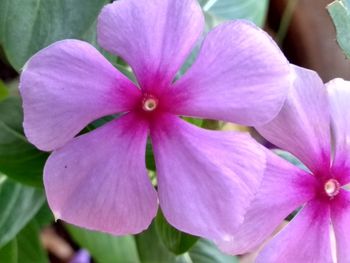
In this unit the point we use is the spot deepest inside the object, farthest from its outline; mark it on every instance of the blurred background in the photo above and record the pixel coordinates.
(307, 36)
(28, 233)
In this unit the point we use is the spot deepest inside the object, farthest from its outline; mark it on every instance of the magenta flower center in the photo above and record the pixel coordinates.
(149, 103)
(332, 187)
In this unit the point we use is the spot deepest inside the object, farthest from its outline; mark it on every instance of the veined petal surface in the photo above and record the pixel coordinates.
(284, 188)
(240, 76)
(206, 179)
(66, 86)
(339, 97)
(99, 180)
(302, 127)
(154, 37)
(340, 213)
(305, 239)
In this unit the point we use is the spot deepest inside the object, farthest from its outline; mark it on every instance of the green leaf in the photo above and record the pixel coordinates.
(12, 87)
(18, 158)
(176, 241)
(8, 253)
(340, 13)
(18, 205)
(31, 25)
(105, 248)
(195, 121)
(3, 91)
(150, 162)
(91, 37)
(29, 247)
(44, 217)
(206, 252)
(252, 10)
(290, 158)
(151, 249)
(25, 247)
(4, 4)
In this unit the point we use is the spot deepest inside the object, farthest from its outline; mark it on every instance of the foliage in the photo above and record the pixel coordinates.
(340, 13)
(252, 10)
(39, 23)
(18, 205)
(16, 153)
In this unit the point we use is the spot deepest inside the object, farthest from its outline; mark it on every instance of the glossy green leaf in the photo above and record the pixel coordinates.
(105, 248)
(29, 247)
(252, 10)
(175, 240)
(8, 253)
(18, 205)
(290, 158)
(18, 158)
(31, 25)
(340, 13)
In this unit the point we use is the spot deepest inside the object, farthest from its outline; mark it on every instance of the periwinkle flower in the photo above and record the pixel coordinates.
(82, 256)
(303, 127)
(205, 179)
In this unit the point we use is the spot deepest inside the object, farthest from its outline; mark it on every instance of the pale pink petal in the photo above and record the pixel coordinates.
(206, 179)
(66, 86)
(305, 239)
(99, 180)
(240, 75)
(284, 188)
(303, 125)
(153, 36)
(339, 97)
(340, 212)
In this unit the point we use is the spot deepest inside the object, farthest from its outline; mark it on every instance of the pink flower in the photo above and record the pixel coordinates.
(303, 127)
(205, 178)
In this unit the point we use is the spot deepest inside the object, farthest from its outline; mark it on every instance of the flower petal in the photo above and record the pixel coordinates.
(340, 212)
(240, 75)
(154, 37)
(99, 180)
(339, 97)
(303, 125)
(206, 179)
(284, 188)
(305, 239)
(66, 86)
